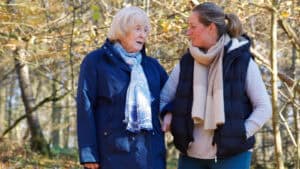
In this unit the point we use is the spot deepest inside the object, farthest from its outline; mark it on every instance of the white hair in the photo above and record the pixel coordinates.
(125, 20)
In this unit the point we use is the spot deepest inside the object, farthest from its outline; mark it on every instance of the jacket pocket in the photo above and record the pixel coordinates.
(182, 131)
(231, 139)
(235, 128)
(117, 143)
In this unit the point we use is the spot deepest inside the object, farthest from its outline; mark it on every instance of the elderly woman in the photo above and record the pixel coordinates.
(215, 96)
(118, 99)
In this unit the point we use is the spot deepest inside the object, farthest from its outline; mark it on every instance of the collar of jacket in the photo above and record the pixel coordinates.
(114, 57)
(232, 53)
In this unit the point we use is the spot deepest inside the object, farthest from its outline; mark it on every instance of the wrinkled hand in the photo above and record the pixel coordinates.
(92, 165)
(167, 122)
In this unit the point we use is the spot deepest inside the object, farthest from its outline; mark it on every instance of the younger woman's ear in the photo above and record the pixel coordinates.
(213, 30)
(212, 27)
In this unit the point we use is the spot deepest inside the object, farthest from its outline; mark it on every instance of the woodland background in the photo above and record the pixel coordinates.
(42, 43)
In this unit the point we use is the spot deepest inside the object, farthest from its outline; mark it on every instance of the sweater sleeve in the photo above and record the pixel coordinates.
(169, 90)
(163, 76)
(256, 91)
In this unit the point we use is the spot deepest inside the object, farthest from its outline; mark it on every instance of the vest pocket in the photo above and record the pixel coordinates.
(231, 139)
(182, 131)
(234, 128)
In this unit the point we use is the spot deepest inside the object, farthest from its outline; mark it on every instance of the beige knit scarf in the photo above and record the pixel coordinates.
(208, 101)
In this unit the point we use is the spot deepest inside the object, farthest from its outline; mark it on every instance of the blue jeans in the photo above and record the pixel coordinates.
(239, 161)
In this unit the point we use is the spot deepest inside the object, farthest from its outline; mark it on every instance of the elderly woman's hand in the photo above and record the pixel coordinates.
(167, 122)
(91, 165)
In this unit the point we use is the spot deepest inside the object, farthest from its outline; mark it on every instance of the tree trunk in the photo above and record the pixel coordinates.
(2, 108)
(264, 148)
(296, 114)
(67, 114)
(295, 110)
(274, 81)
(37, 140)
(56, 116)
(66, 130)
(9, 107)
(296, 123)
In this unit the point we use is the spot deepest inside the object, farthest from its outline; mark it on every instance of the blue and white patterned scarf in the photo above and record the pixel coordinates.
(138, 97)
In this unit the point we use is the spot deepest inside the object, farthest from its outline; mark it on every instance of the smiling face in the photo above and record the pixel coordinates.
(135, 38)
(199, 34)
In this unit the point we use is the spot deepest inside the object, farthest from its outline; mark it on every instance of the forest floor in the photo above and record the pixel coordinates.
(19, 156)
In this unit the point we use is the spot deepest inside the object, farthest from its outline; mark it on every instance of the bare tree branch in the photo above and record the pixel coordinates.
(41, 103)
(282, 76)
(290, 32)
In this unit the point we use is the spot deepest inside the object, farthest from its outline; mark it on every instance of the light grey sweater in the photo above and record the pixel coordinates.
(262, 111)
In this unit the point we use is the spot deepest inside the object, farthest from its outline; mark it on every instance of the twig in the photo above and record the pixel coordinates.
(286, 125)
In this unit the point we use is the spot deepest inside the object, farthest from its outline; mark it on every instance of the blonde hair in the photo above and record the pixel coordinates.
(125, 20)
(212, 13)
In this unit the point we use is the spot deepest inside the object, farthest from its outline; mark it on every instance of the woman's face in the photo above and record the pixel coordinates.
(135, 38)
(200, 35)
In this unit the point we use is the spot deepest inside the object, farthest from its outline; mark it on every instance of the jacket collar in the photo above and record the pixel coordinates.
(236, 43)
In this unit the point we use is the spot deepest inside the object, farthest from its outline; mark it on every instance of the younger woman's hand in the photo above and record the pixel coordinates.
(167, 122)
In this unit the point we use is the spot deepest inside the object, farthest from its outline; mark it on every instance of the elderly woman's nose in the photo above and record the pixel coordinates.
(143, 34)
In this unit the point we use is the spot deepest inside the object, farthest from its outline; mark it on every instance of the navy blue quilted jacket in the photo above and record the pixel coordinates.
(101, 94)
